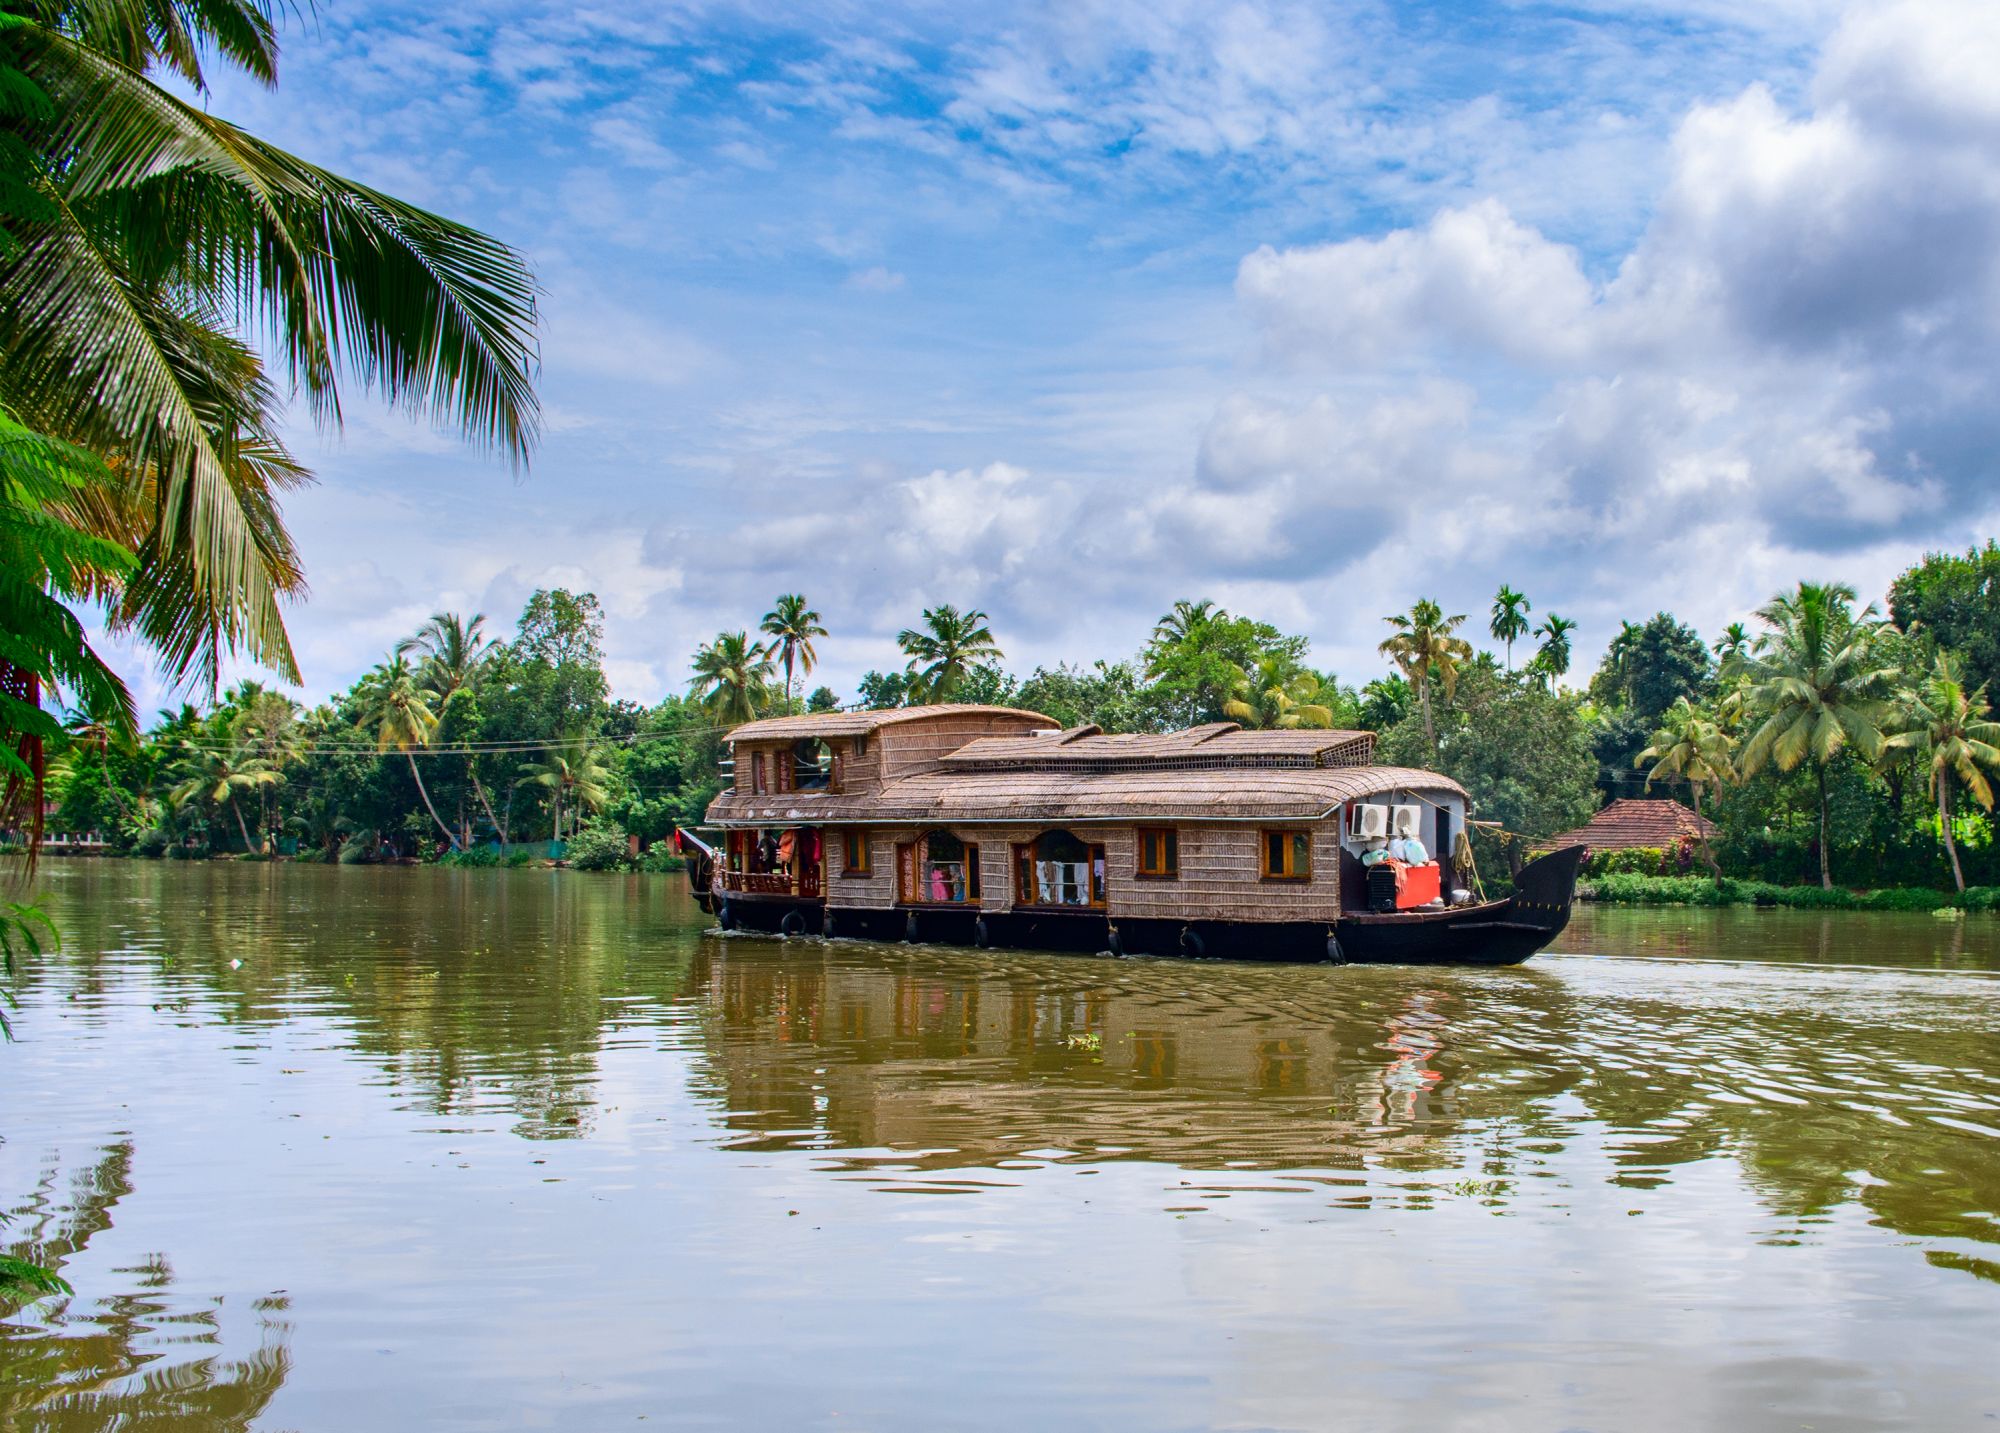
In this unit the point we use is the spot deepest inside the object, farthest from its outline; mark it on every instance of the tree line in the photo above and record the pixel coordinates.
(1829, 741)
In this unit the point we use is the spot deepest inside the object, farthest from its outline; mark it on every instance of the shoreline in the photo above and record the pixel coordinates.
(1631, 890)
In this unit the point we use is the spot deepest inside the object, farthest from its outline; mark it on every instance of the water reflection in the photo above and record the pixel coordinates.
(513, 1078)
(1885, 1092)
(139, 1356)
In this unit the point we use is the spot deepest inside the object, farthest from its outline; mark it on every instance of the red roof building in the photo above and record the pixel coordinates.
(1630, 821)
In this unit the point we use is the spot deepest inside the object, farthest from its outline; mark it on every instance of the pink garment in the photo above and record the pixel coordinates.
(940, 891)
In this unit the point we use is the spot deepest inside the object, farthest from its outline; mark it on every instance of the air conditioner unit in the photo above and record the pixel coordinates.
(1407, 820)
(1371, 823)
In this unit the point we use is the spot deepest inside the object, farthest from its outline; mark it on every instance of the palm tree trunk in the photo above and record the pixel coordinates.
(1702, 831)
(421, 791)
(237, 812)
(788, 674)
(1944, 826)
(472, 770)
(1825, 863)
(1424, 699)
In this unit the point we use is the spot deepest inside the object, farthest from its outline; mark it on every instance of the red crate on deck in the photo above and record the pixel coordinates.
(1419, 886)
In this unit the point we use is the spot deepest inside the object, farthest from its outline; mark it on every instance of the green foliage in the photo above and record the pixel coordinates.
(1643, 890)
(823, 699)
(25, 931)
(1953, 601)
(945, 651)
(147, 243)
(1650, 666)
(472, 858)
(603, 847)
(1641, 861)
(22, 1282)
(1521, 751)
(881, 690)
(1199, 654)
(662, 857)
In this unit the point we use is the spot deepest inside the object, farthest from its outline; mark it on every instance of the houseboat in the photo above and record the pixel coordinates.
(988, 826)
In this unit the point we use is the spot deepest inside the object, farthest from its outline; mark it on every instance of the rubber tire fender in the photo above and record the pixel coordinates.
(792, 924)
(910, 928)
(1334, 954)
(1192, 943)
(726, 916)
(1114, 942)
(826, 923)
(982, 936)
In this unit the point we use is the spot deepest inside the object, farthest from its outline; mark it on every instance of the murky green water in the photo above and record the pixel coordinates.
(519, 1149)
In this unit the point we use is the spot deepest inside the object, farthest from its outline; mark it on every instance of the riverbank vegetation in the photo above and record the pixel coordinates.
(1830, 744)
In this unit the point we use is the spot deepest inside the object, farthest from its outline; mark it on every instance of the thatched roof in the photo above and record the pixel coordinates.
(965, 798)
(861, 723)
(1217, 744)
(1634, 822)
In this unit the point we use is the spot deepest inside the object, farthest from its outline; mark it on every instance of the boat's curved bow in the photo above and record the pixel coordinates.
(1503, 932)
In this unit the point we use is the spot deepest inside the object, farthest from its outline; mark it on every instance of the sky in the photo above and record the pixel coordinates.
(1067, 311)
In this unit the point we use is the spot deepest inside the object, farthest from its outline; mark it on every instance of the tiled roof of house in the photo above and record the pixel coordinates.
(1631, 821)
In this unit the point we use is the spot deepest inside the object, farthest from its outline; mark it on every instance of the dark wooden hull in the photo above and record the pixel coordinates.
(1504, 932)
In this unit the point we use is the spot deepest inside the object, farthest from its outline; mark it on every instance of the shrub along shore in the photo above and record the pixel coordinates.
(1627, 889)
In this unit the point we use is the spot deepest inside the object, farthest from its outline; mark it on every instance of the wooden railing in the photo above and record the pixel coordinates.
(771, 883)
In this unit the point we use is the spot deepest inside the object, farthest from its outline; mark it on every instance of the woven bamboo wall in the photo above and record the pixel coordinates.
(877, 889)
(1221, 869)
(919, 745)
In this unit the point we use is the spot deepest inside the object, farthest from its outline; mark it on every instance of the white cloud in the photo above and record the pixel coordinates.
(876, 280)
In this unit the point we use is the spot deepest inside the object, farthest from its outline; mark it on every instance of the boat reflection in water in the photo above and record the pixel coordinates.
(935, 1059)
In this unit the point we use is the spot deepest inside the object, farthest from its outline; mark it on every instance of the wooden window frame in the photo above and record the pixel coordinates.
(757, 787)
(1264, 836)
(1170, 851)
(850, 842)
(1028, 894)
(913, 858)
(781, 769)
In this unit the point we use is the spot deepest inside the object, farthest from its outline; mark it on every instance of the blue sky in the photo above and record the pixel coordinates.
(1067, 311)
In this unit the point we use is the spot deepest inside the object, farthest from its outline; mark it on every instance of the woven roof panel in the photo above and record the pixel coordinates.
(974, 798)
(825, 724)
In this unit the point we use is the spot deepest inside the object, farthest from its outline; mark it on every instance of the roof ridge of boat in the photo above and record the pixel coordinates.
(868, 719)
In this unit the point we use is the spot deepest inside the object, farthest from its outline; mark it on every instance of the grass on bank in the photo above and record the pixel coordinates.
(1628, 889)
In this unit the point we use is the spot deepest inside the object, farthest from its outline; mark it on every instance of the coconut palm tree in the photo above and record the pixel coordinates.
(791, 626)
(1732, 644)
(1954, 730)
(401, 711)
(578, 776)
(1691, 746)
(732, 677)
(215, 776)
(1275, 694)
(148, 243)
(1185, 621)
(451, 652)
(951, 644)
(46, 565)
(266, 723)
(1510, 619)
(1816, 684)
(1425, 650)
(1552, 657)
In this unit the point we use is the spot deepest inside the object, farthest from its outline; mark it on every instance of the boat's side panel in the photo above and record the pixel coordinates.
(1221, 877)
(877, 889)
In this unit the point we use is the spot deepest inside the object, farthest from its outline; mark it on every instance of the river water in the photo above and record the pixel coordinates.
(328, 1148)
